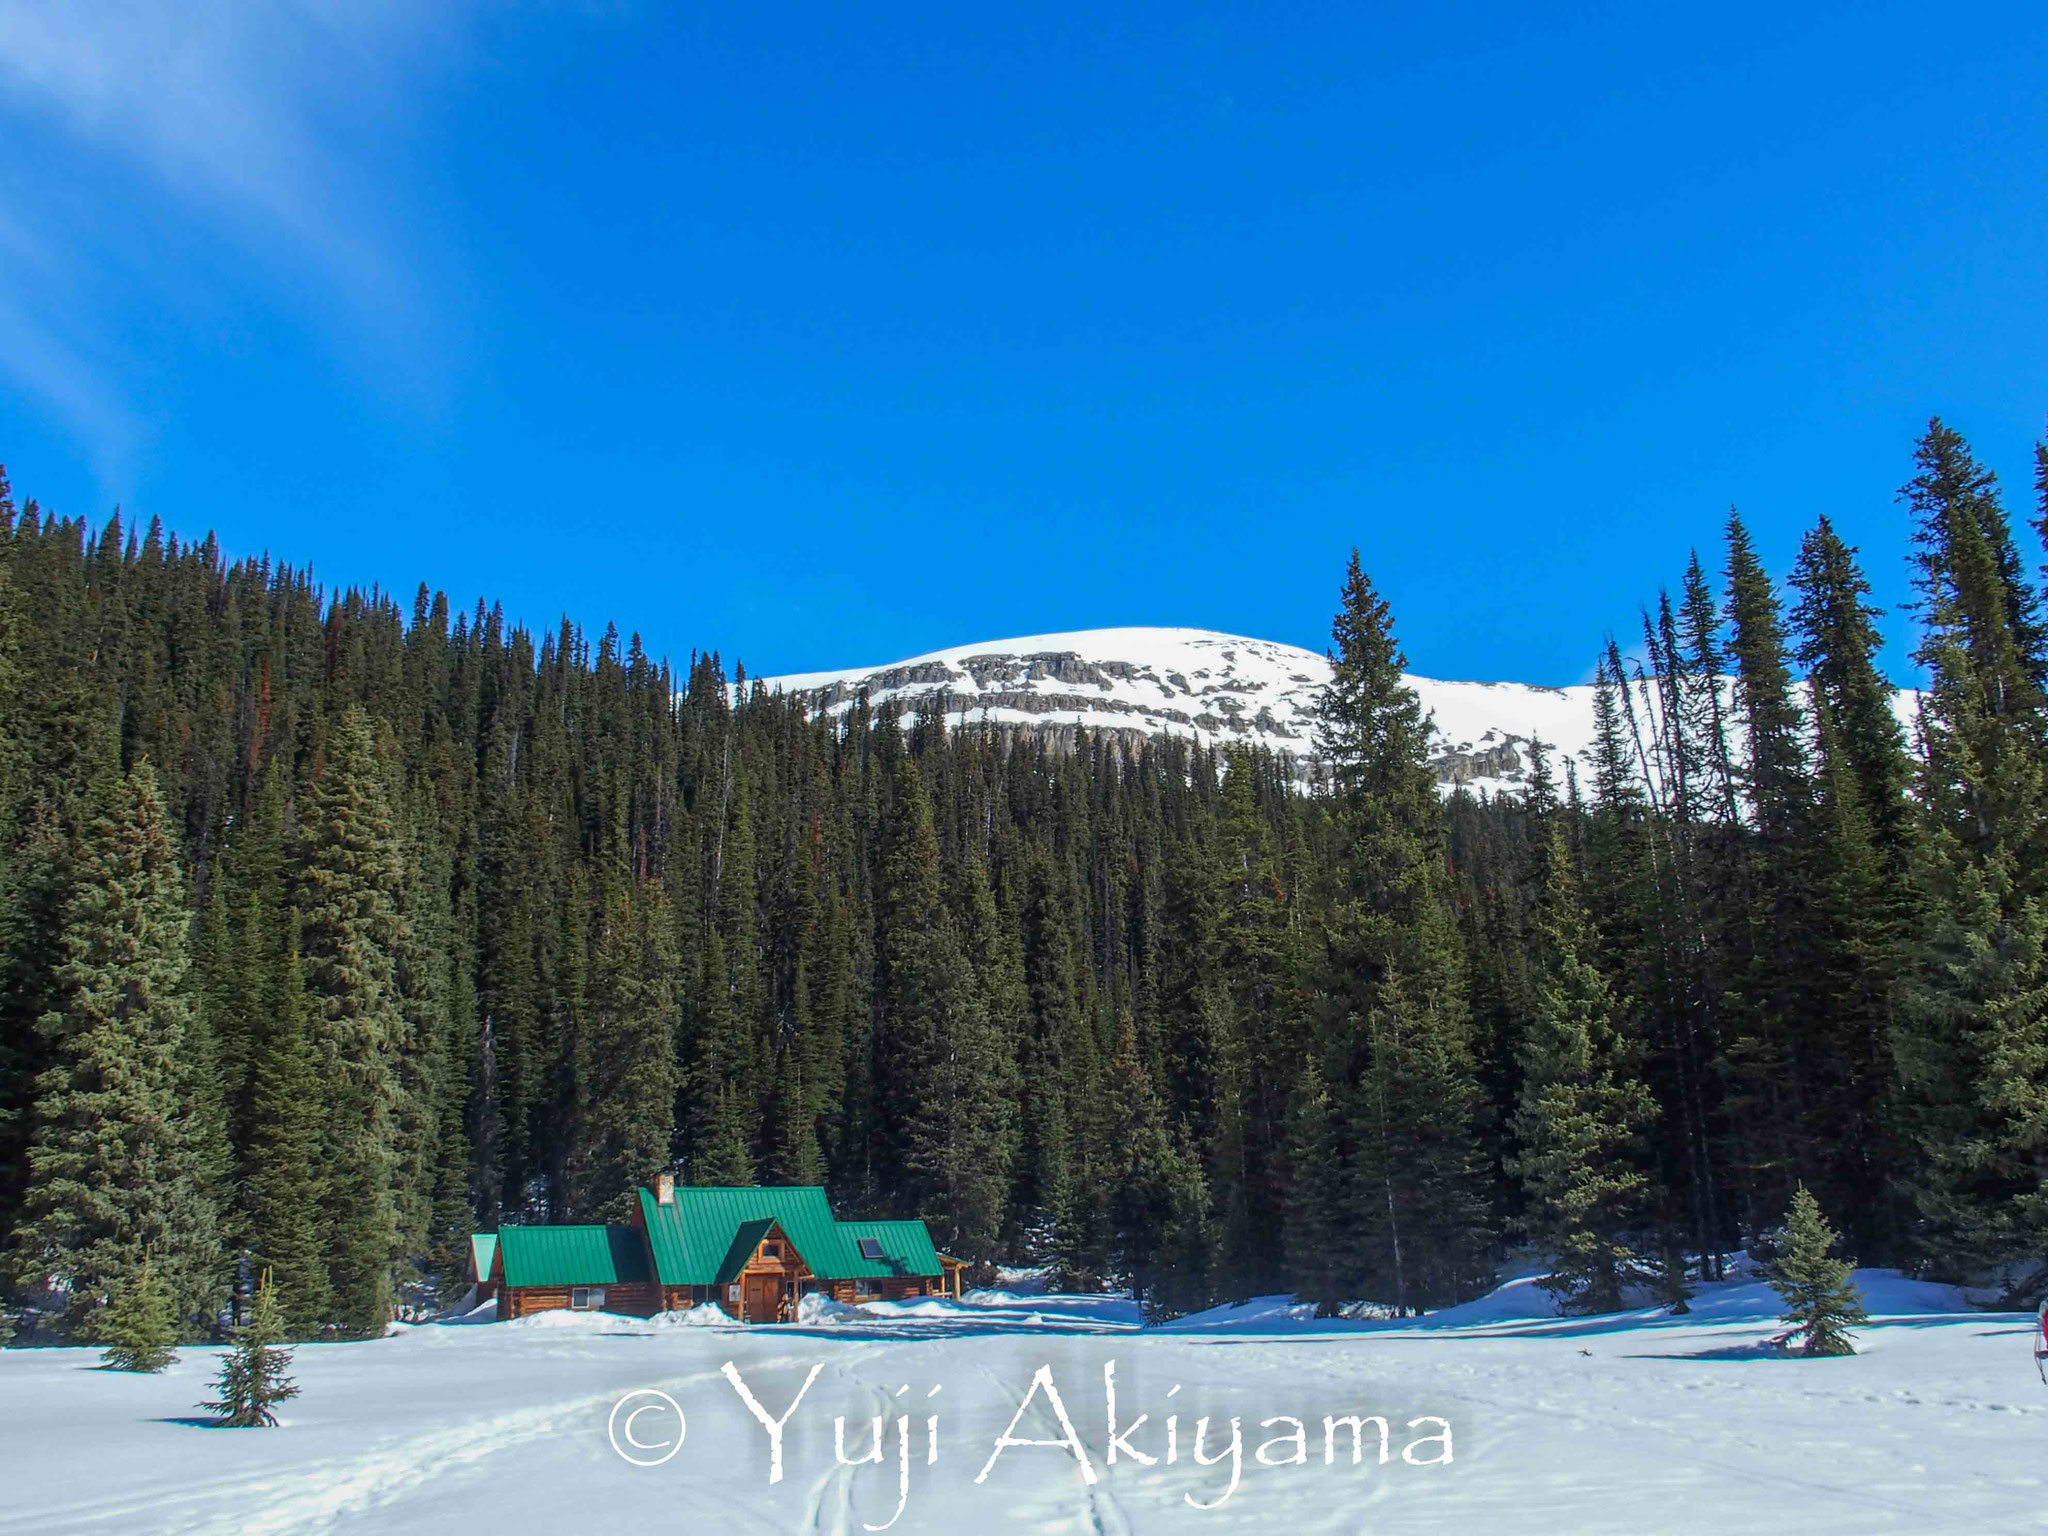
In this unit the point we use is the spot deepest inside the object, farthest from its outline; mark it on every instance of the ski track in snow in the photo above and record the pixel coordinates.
(1098, 1509)
(828, 1511)
(315, 1498)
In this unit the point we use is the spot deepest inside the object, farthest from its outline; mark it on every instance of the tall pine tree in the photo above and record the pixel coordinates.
(1395, 1030)
(352, 929)
(115, 1169)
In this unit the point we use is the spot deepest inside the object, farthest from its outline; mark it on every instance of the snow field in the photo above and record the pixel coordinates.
(1627, 1423)
(1259, 692)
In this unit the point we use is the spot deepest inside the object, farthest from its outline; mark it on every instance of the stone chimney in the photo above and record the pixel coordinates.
(664, 1189)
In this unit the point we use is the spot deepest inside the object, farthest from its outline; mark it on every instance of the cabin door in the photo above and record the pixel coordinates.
(760, 1298)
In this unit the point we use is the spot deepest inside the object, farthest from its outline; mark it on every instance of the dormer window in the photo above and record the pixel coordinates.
(871, 1249)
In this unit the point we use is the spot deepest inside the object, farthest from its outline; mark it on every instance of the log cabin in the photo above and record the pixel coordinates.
(754, 1251)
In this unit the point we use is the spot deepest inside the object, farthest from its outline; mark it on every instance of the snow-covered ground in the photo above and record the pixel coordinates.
(1630, 1423)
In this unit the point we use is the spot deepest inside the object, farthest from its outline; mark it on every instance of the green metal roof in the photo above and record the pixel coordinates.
(573, 1255)
(694, 1238)
(483, 1247)
(906, 1247)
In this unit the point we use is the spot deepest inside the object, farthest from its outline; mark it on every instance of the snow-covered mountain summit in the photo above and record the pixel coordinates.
(1215, 688)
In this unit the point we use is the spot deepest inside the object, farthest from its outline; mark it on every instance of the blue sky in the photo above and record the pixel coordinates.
(824, 337)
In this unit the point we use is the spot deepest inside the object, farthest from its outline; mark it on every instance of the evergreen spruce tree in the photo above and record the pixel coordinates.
(1156, 1196)
(1821, 1299)
(943, 1070)
(916, 960)
(1773, 775)
(825, 987)
(1984, 716)
(244, 963)
(1672, 1283)
(969, 1124)
(1395, 1022)
(1053, 1061)
(1862, 852)
(1866, 928)
(1238, 1217)
(1971, 1032)
(57, 746)
(139, 1326)
(1581, 1113)
(1704, 714)
(1316, 1211)
(796, 1157)
(629, 1107)
(252, 1380)
(723, 1155)
(2041, 491)
(352, 930)
(720, 1128)
(207, 1069)
(1669, 880)
(1972, 1022)
(1838, 646)
(1770, 1048)
(738, 886)
(115, 1169)
(1256, 1032)
(282, 1187)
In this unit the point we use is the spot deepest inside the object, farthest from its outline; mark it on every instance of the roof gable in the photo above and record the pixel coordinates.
(749, 1237)
(693, 1238)
(483, 1250)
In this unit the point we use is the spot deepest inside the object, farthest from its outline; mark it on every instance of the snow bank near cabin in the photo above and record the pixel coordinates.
(927, 1307)
(562, 1320)
(709, 1315)
(818, 1308)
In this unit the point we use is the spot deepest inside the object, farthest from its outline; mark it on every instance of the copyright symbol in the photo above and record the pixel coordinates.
(651, 1412)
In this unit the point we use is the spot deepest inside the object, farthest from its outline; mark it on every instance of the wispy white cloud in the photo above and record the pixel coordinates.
(50, 357)
(269, 124)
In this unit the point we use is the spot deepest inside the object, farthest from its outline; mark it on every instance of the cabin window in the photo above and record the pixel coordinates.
(586, 1298)
(732, 1293)
(771, 1250)
(871, 1249)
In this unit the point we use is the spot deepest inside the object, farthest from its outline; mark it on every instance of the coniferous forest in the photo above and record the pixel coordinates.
(333, 928)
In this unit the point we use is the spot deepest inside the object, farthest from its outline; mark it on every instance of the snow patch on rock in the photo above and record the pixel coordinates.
(1214, 689)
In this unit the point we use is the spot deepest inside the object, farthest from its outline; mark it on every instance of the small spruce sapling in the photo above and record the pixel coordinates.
(252, 1380)
(1672, 1286)
(139, 1327)
(1821, 1300)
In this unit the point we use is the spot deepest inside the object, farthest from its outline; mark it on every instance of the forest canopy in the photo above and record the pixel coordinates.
(332, 930)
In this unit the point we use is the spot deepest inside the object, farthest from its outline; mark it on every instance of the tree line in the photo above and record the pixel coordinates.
(332, 930)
